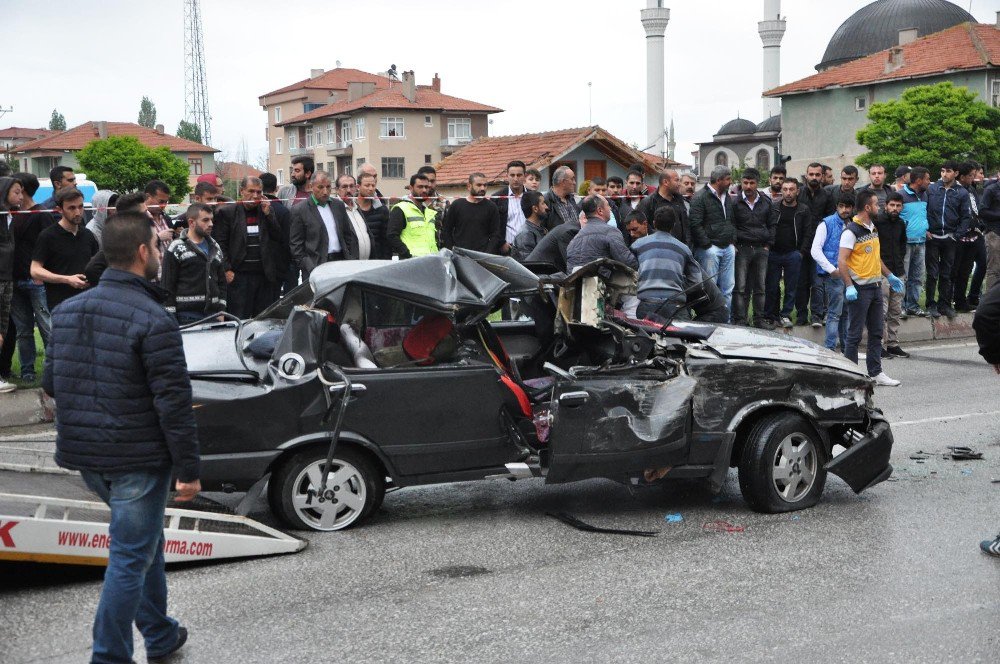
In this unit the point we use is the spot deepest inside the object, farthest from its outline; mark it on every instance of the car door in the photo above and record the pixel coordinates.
(617, 424)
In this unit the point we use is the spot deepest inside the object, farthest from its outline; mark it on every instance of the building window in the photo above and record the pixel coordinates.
(330, 133)
(281, 176)
(309, 137)
(428, 122)
(329, 168)
(293, 140)
(195, 165)
(721, 159)
(359, 128)
(393, 167)
(763, 160)
(277, 146)
(427, 159)
(391, 128)
(361, 162)
(860, 103)
(311, 106)
(345, 132)
(460, 128)
(277, 114)
(995, 93)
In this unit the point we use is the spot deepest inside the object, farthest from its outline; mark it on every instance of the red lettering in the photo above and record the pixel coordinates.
(5, 529)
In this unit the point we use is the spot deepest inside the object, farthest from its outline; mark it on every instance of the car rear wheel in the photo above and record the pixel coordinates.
(781, 469)
(354, 490)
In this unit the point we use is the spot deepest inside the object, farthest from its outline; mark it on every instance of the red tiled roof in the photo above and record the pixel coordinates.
(491, 154)
(428, 99)
(658, 163)
(234, 170)
(77, 137)
(335, 79)
(15, 133)
(962, 47)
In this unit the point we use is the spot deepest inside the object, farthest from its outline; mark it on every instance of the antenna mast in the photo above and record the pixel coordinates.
(195, 85)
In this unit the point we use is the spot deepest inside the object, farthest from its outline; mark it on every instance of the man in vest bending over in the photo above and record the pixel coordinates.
(862, 269)
(412, 228)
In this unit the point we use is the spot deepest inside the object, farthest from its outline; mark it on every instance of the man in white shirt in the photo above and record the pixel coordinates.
(508, 202)
(347, 190)
(825, 251)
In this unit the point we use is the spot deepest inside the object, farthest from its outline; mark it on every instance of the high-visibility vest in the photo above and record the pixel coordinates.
(420, 234)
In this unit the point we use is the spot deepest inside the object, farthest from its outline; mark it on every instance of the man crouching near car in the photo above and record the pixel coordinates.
(116, 367)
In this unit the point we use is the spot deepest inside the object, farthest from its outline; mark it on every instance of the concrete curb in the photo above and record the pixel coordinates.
(26, 407)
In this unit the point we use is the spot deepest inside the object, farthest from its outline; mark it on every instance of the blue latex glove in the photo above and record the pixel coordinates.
(896, 284)
(851, 294)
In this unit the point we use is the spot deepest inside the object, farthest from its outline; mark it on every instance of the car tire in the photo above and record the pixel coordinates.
(781, 468)
(358, 491)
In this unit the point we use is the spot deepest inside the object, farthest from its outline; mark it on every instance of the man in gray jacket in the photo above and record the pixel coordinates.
(598, 239)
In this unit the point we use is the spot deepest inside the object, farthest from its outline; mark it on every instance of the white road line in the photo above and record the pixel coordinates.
(943, 418)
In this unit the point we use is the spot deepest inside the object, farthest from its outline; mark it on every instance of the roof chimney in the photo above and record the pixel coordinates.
(998, 18)
(907, 35)
(159, 129)
(315, 73)
(410, 86)
(102, 129)
(895, 59)
(436, 81)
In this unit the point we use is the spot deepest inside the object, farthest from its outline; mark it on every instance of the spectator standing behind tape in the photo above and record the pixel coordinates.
(101, 202)
(303, 169)
(63, 250)
(11, 197)
(534, 209)
(412, 229)
(347, 191)
(508, 202)
(157, 199)
(193, 272)
(374, 212)
(473, 222)
(286, 270)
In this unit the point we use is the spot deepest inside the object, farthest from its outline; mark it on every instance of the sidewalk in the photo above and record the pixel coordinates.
(32, 406)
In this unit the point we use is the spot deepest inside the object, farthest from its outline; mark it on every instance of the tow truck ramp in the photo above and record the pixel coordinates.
(60, 530)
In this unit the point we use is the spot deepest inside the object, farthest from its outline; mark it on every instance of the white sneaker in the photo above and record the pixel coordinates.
(883, 380)
(6, 387)
(786, 322)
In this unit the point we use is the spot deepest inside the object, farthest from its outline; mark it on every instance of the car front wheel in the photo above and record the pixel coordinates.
(781, 469)
(354, 490)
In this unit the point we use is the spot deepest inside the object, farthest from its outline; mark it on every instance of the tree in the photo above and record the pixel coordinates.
(123, 164)
(57, 121)
(928, 125)
(189, 130)
(147, 113)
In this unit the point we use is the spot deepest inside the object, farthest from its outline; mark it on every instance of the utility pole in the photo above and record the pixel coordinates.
(195, 85)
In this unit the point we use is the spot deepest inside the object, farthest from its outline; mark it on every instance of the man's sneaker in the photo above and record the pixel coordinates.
(6, 387)
(182, 637)
(991, 547)
(885, 354)
(765, 324)
(786, 322)
(896, 351)
(946, 310)
(816, 324)
(933, 312)
(920, 312)
(904, 314)
(885, 381)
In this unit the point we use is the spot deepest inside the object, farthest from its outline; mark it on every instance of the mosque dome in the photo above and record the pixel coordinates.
(876, 27)
(737, 126)
(773, 123)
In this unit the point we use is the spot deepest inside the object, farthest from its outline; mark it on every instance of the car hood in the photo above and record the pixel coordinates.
(747, 343)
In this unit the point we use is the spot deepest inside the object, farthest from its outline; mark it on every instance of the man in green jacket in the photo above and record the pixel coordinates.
(713, 232)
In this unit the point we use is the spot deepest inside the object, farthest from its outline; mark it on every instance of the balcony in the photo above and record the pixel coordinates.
(340, 148)
(297, 152)
(451, 144)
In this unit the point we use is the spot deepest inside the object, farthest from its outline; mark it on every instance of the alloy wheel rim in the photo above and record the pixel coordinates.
(794, 467)
(343, 502)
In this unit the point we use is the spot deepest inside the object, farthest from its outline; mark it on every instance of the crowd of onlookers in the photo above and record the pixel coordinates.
(750, 251)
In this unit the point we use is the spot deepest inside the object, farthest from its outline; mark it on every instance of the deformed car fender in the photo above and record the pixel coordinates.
(323, 437)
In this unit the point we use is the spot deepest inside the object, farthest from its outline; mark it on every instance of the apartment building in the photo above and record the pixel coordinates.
(395, 124)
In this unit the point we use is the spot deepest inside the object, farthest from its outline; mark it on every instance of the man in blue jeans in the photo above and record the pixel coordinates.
(126, 441)
(790, 220)
(825, 251)
(915, 215)
(713, 232)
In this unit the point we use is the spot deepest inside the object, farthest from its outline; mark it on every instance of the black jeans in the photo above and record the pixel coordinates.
(249, 294)
(866, 312)
(967, 254)
(751, 273)
(809, 294)
(940, 257)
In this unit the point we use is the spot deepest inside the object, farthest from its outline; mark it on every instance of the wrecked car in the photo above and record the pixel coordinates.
(380, 375)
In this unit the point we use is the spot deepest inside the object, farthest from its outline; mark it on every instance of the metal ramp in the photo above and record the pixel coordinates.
(61, 530)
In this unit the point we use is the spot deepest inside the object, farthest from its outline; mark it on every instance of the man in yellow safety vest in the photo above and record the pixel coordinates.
(412, 230)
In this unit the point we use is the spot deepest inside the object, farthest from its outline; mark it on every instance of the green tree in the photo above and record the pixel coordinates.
(147, 113)
(57, 121)
(928, 125)
(189, 130)
(123, 164)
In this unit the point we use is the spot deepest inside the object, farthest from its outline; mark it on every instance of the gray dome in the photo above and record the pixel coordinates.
(876, 27)
(737, 126)
(773, 123)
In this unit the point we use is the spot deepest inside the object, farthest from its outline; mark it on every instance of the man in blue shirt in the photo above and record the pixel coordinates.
(666, 268)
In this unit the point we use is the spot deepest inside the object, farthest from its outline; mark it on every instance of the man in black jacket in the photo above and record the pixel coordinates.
(552, 248)
(126, 423)
(877, 185)
(534, 208)
(892, 245)
(754, 237)
(375, 213)
(821, 204)
(508, 202)
(713, 233)
(790, 219)
(245, 230)
(473, 222)
(286, 271)
(668, 192)
(989, 212)
(561, 198)
(193, 271)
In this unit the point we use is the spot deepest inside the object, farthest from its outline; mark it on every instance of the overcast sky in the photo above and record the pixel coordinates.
(532, 59)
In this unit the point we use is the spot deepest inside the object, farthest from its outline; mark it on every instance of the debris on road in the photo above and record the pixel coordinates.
(673, 518)
(571, 520)
(721, 527)
(962, 453)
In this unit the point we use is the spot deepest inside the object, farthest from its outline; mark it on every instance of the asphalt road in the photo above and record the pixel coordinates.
(478, 572)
